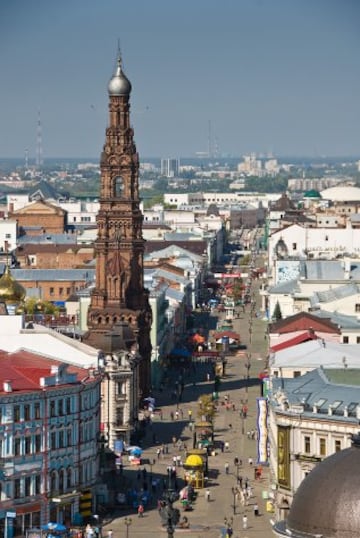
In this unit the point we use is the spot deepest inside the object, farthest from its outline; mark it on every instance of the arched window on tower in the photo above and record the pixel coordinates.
(118, 187)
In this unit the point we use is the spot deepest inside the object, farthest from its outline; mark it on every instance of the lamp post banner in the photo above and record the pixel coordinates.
(262, 429)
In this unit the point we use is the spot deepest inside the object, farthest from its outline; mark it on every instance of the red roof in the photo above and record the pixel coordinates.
(299, 339)
(25, 369)
(229, 334)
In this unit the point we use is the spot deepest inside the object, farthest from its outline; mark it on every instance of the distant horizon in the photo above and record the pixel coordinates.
(32, 160)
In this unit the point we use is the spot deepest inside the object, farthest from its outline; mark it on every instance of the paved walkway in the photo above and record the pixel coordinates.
(207, 517)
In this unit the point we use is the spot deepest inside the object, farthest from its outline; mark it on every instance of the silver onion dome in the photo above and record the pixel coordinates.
(119, 84)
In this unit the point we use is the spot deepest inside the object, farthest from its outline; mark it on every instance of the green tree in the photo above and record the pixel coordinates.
(238, 289)
(206, 408)
(277, 312)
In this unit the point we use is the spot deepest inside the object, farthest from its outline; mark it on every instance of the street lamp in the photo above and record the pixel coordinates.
(127, 522)
(234, 499)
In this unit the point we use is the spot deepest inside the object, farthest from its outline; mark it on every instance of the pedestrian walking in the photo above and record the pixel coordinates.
(227, 446)
(256, 510)
(109, 533)
(207, 495)
(245, 522)
(158, 452)
(222, 445)
(226, 468)
(176, 415)
(140, 510)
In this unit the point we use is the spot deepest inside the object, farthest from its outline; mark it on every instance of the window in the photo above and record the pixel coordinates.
(37, 484)
(17, 446)
(61, 291)
(121, 388)
(118, 186)
(69, 477)
(294, 246)
(38, 443)
(345, 339)
(7, 236)
(297, 373)
(37, 410)
(357, 307)
(27, 445)
(68, 437)
(16, 413)
(27, 486)
(17, 490)
(358, 339)
(60, 407)
(68, 406)
(53, 440)
(61, 439)
(337, 445)
(307, 444)
(68, 291)
(52, 408)
(26, 412)
(322, 446)
(326, 238)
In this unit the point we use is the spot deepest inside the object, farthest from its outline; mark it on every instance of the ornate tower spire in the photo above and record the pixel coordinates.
(119, 314)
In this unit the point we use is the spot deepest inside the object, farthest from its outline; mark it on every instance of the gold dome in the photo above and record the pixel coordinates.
(11, 292)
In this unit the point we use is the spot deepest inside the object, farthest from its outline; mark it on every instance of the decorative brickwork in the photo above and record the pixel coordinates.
(119, 303)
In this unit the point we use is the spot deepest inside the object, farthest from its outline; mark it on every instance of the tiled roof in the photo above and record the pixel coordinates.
(299, 339)
(342, 320)
(289, 286)
(31, 248)
(196, 246)
(335, 294)
(25, 369)
(315, 387)
(168, 275)
(315, 352)
(45, 275)
(48, 239)
(304, 321)
(323, 270)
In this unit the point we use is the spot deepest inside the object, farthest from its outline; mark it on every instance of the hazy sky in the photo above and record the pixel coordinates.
(271, 75)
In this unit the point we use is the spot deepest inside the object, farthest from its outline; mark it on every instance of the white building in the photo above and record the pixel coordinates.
(300, 242)
(8, 235)
(310, 418)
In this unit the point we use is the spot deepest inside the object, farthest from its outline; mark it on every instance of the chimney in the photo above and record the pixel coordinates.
(330, 411)
(346, 411)
(7, 386)
(315, 409)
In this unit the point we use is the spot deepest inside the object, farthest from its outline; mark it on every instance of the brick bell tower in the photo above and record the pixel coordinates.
(119, 316)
